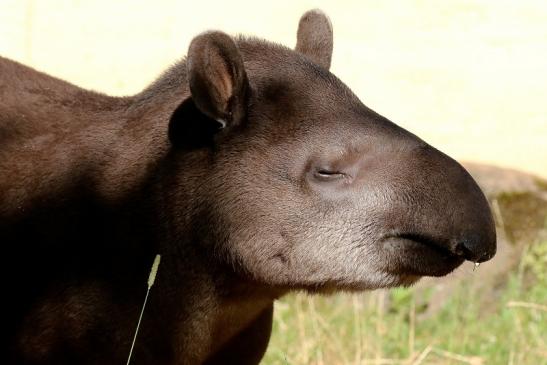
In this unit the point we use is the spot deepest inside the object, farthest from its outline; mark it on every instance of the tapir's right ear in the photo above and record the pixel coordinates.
(217, 78)
(314, 37)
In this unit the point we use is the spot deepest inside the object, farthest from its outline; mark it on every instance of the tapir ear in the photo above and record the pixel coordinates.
(314, 37)
(217, 78)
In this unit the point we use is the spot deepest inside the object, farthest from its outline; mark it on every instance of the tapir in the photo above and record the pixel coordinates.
(249, 167)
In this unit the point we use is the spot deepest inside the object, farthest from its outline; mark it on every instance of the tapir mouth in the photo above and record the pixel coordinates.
(420, 254)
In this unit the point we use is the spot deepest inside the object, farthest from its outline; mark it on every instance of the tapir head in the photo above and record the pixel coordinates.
(305, 187)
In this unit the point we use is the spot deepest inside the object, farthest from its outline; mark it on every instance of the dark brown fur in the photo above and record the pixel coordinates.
(303, 188)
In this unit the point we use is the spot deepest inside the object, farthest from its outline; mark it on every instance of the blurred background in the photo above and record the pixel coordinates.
(469, 77)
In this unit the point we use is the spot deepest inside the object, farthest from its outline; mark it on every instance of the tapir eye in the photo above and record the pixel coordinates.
(323, 174)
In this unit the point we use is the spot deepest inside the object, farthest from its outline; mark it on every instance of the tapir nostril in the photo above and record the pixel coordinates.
(472, 249)
(462, 249)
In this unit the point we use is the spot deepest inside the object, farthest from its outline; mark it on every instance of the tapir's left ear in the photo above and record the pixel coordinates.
(217, 79)
(314, 37)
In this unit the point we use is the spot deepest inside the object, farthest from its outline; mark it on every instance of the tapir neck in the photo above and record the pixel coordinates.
(96, 190)
(192, 285)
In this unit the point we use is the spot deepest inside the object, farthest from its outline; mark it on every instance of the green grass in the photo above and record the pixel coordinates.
(502, 325)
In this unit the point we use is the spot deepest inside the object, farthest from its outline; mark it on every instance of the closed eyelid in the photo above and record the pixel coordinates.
(329, 175)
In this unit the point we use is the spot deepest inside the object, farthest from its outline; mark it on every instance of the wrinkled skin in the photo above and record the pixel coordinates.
(249, 167)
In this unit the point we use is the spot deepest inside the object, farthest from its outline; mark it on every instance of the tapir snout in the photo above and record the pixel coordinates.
(437, 204)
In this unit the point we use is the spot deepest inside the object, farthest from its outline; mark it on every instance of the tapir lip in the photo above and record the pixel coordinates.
(426, 240)
(420, 254)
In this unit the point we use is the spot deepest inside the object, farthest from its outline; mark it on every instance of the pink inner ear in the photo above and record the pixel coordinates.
(221, 80)
(227, 89)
